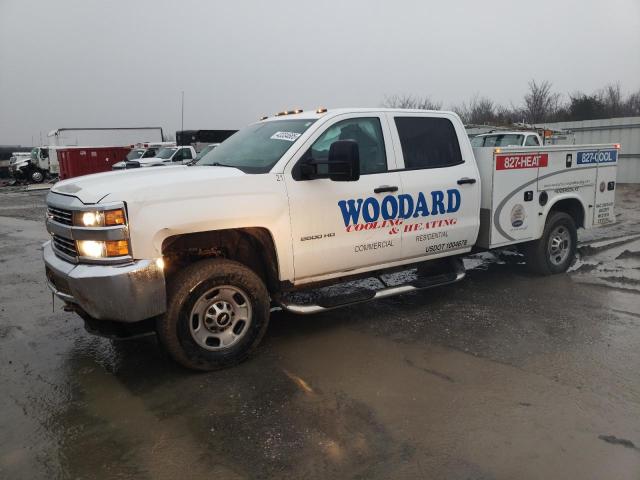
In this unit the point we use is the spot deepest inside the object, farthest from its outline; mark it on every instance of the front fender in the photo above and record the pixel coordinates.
(256, 206)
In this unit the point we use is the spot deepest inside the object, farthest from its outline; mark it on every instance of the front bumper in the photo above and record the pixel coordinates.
(123, 293)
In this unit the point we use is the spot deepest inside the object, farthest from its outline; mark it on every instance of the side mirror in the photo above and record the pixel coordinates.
(344, 161)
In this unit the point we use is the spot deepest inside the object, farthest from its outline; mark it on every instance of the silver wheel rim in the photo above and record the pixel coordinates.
(559, 245)
(220, 318)
(36, 176)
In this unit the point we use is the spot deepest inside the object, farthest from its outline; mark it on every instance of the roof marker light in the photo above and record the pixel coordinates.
(617, 146)
(264, 118)
(321, 110)
(497, 150)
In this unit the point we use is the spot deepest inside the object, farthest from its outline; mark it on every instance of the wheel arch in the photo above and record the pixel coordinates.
(251, 246)
(572, 206)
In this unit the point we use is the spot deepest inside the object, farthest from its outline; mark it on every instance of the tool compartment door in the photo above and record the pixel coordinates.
(514, 210)
(564, 177)
(607, 162)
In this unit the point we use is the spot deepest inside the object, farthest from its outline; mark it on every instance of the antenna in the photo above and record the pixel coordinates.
(182, 124)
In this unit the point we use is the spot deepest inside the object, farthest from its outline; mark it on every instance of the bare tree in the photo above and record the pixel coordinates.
(508, 115)
(612, 102)
(411, 101)
(632, 104)
(479, 111)
(540, 103)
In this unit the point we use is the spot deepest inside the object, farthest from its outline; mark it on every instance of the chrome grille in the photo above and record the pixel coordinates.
(65, 246)
(60, 215)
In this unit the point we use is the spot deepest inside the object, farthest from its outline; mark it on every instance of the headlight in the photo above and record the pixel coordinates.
(103, 249)
(100, 218)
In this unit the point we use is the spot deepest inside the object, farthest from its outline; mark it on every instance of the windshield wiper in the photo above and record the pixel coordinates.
(218, 164)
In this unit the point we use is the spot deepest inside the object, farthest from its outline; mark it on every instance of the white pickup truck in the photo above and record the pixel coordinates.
(166, 155)
(201, 253)
(507, 139)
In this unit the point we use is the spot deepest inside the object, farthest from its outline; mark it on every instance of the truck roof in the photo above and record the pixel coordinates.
(315, 114)
(508, 132)
(58, 130)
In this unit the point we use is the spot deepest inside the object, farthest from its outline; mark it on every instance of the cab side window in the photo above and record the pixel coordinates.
(532, 141)
(428, 142)
(366, 132)
(182, 154)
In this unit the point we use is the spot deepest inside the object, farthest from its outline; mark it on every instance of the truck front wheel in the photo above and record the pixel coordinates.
(37, 176)
(217, 313)
(555, 250)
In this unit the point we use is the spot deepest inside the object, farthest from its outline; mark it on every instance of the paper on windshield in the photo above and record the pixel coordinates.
(288, 136)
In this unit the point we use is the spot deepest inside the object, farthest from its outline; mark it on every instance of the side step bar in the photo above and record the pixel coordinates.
(364, 294)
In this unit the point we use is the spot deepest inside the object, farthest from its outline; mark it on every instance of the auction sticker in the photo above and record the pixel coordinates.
(288, 136)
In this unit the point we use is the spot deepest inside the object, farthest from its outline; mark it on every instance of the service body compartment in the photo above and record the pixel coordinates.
(606, 160)
(521, 184)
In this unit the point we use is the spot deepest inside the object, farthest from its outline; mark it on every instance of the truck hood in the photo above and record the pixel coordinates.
(146, 160)
(141, 184)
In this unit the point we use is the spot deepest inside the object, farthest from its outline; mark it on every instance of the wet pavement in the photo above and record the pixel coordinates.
(504, 375)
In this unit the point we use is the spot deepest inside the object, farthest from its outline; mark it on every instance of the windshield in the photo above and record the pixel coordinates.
(502, 140)
(166, 153)
(150, 153)
(135, 154)
(204, 151)
(257, 148)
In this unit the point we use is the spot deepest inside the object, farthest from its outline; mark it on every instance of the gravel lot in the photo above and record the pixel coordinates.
(505, 375)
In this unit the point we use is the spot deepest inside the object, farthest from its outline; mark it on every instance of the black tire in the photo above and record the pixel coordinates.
(37, 176)
(192, 287)
(541, 258)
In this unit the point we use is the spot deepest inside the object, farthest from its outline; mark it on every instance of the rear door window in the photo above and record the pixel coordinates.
(428, 142)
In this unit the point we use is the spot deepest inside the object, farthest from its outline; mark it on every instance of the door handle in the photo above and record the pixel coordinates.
(464, 180)
(385, 188)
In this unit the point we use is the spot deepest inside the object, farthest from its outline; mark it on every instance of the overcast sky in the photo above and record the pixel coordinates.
(91, 63)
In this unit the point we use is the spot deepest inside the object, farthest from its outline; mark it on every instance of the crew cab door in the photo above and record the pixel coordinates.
(337, 227)
(440, 204)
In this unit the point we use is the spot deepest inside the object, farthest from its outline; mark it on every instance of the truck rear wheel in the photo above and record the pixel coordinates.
(555, 250)
(217, 313)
